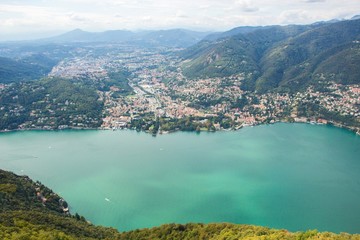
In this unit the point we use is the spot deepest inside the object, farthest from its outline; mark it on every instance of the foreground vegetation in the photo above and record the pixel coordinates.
(25, 215)
(227, 231)
(29, 210)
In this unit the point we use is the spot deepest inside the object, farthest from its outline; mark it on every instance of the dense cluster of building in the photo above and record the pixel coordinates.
(167, 93)
(161, 91)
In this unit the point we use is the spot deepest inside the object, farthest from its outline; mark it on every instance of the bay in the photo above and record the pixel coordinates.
(292, 176)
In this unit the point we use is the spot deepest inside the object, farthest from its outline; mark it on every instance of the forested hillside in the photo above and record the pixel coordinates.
(49, 104)
(30, 68)
(285, 58)
(29, 210)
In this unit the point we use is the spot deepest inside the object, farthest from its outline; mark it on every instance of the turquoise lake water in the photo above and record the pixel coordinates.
(292, 176)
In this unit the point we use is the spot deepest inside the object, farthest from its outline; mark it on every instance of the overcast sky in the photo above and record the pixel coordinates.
(32, 18)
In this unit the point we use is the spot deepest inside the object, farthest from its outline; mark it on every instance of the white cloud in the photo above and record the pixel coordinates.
(181, 14)
(314, 1)
(247, 6)
(294, 16)
(96, 15)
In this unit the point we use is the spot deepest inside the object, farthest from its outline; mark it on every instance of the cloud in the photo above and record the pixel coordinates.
(181, 14)
(24, 9)
(314, 1)
(77, 17)
(246, 6)
(295, 16)
(21, 16)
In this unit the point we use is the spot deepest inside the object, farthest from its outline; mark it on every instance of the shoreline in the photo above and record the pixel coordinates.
(354, 130)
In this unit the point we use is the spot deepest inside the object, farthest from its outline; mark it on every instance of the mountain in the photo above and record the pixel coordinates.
(280, 57)
(79, 35)
(170, 38)
(28, 68)
(165, 38)
(331, 51)
(30, 210)
(240, 53)
(232, 32)
(76, 35)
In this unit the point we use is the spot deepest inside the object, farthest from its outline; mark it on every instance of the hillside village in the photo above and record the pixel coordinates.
(145, 89)
(160, 90)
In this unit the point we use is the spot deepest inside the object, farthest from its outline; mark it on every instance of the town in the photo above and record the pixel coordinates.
(156, 96)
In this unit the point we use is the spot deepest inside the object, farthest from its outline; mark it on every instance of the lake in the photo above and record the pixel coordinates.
(292, 176)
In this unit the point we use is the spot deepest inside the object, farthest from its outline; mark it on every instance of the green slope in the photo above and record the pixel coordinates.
(23, 215)
(237, 54)
(58, 102)
(29, 68)
(221, 60)
(294, 63)
(281, 58)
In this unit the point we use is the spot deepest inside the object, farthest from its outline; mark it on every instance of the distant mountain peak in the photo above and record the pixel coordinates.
(76, 30)
(356, 17)
(169, 38)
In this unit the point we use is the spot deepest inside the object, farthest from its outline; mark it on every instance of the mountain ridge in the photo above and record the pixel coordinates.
(275, 57)
(167, 38)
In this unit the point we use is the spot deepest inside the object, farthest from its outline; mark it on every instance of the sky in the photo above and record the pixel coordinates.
(30, 19)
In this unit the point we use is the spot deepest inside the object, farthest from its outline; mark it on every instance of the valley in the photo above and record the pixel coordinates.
(158, 89)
